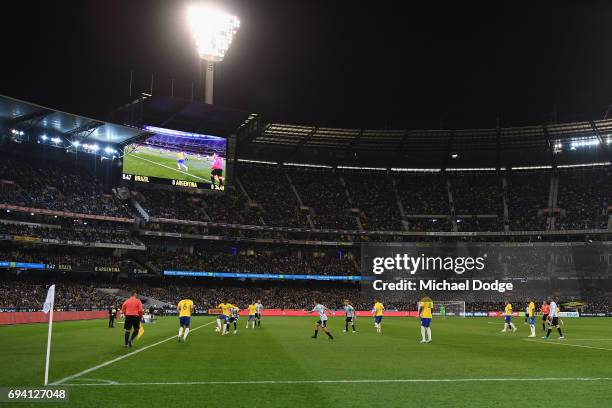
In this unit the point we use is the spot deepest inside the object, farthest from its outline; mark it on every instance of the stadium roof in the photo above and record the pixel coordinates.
(182, 114)
(428, 140)
(39, 120)
(430, 148)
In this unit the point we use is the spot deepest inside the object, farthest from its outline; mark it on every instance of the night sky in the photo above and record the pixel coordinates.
(327, 63)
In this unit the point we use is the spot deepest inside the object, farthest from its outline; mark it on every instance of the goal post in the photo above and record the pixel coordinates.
(448, 308)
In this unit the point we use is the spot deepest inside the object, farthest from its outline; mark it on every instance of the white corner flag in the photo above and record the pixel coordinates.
(48, 307)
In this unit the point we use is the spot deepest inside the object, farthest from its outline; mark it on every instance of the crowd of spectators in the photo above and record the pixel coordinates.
(322, 191)
(228, 207)
(255, 261)
(64, 234)
(338, 199)
(55, 186)
(373, 194)
(584, 195)
(527, 196)
(270, 188)
(30, 295)
(481, 224)
(477, 193)
(423, 193)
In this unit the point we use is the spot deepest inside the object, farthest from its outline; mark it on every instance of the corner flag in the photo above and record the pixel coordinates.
(48, 308)
(140, 331)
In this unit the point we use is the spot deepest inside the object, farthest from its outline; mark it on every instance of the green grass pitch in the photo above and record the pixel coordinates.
(470, 364)
(153, 163)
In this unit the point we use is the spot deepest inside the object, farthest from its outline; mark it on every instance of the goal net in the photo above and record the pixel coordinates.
(448, 308)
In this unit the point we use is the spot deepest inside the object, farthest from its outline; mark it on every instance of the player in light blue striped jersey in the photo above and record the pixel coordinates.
(322, 322)
(350, 316)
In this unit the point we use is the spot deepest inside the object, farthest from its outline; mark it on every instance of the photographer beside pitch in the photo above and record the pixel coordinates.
(133, 312)
(112, 313)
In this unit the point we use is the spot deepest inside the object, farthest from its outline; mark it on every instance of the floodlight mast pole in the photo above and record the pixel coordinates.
(208, 82)
(213, 31)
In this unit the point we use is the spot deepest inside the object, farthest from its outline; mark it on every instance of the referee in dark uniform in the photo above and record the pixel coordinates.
(132, 310)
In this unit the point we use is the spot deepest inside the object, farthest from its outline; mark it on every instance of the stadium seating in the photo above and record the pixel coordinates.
(265, 260)
(55, 186)
(352, 200)
(270, 198)
(28, 293)
(584, 195)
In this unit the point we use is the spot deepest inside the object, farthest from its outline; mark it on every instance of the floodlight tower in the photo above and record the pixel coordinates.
(213, 30)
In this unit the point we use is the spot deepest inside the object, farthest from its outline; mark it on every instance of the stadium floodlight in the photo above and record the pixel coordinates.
(109, 150)
(76, 143)
(43, 137)
(56, 140)
(94, 147)
(213, 31)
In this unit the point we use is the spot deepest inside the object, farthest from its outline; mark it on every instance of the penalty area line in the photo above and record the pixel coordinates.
(356, 381)
(114, 360)
(559, 343)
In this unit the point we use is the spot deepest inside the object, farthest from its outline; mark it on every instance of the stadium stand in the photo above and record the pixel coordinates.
(288, 218)
(584, 196)
(264, 260)
(54, 186)
(27, 293)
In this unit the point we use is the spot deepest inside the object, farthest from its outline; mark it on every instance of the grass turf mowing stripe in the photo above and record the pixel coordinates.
(356, 381)
(89, 370)
(170, 168)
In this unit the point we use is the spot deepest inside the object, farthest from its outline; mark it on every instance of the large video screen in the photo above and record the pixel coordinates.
(177, 158)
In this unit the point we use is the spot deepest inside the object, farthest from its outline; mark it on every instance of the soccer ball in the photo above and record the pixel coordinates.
(217, 329)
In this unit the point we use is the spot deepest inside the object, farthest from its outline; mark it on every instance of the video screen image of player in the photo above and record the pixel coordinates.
(176, 155)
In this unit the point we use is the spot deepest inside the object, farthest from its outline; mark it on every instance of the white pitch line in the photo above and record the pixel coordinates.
(89, 370)
(357, 381)
(559, 343)
(573, 339)
(171, 168)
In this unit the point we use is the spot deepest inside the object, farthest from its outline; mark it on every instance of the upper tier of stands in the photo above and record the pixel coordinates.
(534, 200)
(426, 201)
(55, 186)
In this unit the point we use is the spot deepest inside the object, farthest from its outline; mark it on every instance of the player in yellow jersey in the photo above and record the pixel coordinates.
(425, 307)
(226, 311)
(531, 318)
(185, 308)
(508, 318)
(252, 315)
(378, 311)
(180, 161)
